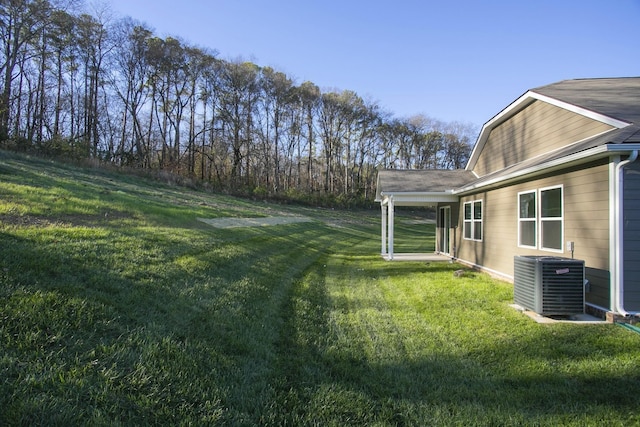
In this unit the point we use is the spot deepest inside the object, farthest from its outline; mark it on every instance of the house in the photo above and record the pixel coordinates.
(555, 173)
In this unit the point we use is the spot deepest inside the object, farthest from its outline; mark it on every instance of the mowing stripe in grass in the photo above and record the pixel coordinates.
(152, 316)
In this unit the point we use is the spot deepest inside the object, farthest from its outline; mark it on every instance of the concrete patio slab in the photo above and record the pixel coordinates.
(581, 319)
(417, 257)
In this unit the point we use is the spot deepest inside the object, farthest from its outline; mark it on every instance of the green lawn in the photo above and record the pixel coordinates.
(119, 307)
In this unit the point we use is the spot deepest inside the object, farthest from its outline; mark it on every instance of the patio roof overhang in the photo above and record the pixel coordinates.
(390, 200)
(416, 198)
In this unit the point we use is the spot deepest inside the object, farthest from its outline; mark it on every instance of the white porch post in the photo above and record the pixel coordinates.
(391, 227)
(384, 228)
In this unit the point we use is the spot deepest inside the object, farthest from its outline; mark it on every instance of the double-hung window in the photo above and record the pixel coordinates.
(527, 219)
(540, 219)
(551, 219)
(473, 220)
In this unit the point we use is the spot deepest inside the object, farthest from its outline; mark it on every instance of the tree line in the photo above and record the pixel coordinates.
(88, 86)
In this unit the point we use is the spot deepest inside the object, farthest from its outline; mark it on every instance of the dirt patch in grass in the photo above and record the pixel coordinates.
(254, 222)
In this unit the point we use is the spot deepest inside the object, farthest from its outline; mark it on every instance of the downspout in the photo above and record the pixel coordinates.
(383, 228)
(619, 233)
(391, 221)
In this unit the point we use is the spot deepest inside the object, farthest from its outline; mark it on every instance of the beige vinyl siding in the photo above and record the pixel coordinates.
(586, 223)
(598, 290)
(587, 203)
(537, 129)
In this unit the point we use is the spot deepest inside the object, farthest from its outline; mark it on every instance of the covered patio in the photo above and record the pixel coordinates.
(423, 188)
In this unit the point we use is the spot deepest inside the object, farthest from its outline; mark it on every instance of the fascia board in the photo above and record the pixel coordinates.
(442, 194)
(416, 196)
(582, 111)
(617, 148)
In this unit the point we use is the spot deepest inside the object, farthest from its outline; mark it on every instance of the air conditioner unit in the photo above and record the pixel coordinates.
(549, 285)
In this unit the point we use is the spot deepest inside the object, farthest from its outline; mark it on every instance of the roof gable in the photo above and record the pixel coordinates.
(539, 128)
(612, 102)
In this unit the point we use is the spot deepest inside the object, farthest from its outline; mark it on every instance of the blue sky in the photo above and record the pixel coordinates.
(451, 60)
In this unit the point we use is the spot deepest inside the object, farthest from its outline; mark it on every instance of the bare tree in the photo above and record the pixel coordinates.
(237, 102)
(310, 102)
(129, 77)
(277, 91)
(83, 86)
(22, 23)
(93, 46)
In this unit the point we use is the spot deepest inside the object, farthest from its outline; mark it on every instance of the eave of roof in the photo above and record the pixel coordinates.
(417, 198)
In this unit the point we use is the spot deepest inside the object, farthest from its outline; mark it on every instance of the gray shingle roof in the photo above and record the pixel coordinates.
(618, 98)
(428, 181)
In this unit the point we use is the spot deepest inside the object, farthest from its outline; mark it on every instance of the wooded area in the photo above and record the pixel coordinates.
(88, 86)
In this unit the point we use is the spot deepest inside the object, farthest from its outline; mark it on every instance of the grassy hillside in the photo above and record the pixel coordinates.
(118, 306)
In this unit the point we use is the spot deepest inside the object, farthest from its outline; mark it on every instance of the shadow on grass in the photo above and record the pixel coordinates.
(463, 389)
(180, 331)
(537, 377)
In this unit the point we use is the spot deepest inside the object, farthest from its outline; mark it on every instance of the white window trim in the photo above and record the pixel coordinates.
(560, 218)
(467, 223)
(472, 222)
(534, 220)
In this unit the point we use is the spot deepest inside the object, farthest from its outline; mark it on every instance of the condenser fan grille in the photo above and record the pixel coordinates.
(549, 285)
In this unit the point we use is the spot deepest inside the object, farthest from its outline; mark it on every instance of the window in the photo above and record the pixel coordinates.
(551, 218)
(468, 222)
(527, 218)
(540, 219)
(473, 220)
